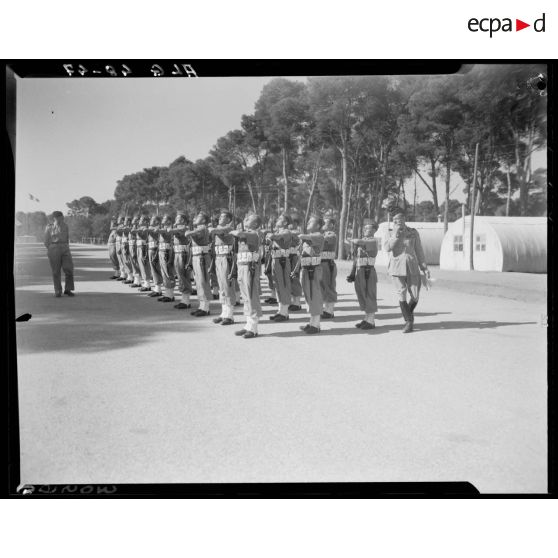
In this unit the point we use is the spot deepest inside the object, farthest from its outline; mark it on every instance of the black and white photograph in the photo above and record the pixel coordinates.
(281, 279)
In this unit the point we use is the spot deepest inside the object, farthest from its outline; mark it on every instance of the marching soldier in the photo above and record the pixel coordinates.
(280, 250)
(132, 239)
(57, 242)
(111, 245)
(363, 274)
(296, 287)
(182, 266)
(166, 256)
(223, 244)
(201, 259)
(121, 265)
(310, 264)
(153, 255)
(406, 259)
(248, 260)
(142, 239)
(329, 268)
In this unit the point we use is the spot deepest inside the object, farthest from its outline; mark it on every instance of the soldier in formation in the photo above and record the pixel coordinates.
(363, 275)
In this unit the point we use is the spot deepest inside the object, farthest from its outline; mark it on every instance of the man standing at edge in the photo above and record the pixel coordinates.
(57, 242)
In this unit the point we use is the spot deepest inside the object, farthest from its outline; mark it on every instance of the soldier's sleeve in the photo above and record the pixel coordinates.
(372, 248)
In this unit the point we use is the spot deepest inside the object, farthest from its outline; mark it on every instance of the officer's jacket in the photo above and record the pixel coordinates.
(406, 255)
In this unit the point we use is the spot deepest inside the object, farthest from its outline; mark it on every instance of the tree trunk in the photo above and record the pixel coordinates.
(285, 179)
(508, 197)
(446, 208)
(315, 173)
(356, 210)
(434, 189)
(344, 206)
(250, 189)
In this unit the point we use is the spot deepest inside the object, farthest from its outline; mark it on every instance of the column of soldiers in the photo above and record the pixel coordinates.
(218, 260)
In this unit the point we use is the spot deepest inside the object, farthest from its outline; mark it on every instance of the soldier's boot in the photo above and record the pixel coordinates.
(412, 306)
(407, 316)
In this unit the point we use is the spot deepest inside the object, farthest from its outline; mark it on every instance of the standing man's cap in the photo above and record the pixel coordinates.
(181, 213)
(57, 214)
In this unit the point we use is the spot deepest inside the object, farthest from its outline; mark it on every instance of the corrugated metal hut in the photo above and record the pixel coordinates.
(500, 244)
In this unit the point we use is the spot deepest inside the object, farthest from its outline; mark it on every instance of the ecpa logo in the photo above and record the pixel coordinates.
(494, 24)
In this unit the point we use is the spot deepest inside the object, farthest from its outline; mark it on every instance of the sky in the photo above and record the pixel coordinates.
(77, 136)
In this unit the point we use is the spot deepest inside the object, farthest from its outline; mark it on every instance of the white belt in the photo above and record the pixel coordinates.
(306, 261)
(328, 255)
(152, 244)
(164, 246)
(140, 242)
(278, 253)
(294, 250)
(365, 261)
(112, 243)
(180, 248)
(125, 242)
(222, 249)
(132, 242)
(199, 250)
(247, 257)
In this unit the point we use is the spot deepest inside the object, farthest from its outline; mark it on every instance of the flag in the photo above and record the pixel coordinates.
(33, 198)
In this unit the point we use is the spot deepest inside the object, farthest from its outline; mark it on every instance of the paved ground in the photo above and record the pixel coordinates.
(117, 387)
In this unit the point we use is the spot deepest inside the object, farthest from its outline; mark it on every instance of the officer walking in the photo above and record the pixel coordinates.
(296, 287)
(57, 242)
(406, 260)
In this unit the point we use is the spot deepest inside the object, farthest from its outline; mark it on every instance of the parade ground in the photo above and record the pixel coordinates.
(115, 387)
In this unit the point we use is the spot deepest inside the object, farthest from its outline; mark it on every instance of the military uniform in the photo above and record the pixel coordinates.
(132, 240)
(296, 287)
(126, 252)
(201, 260)
(166, 257)
(113, 256)
(405, 262)
(142, 239)
(280, 251)
(121, 265)
(153, 255)
(366, 279)
(57, 242)
(223, 248)
(249, 269)
(181, 247)
(329, 273)
(311, 276)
